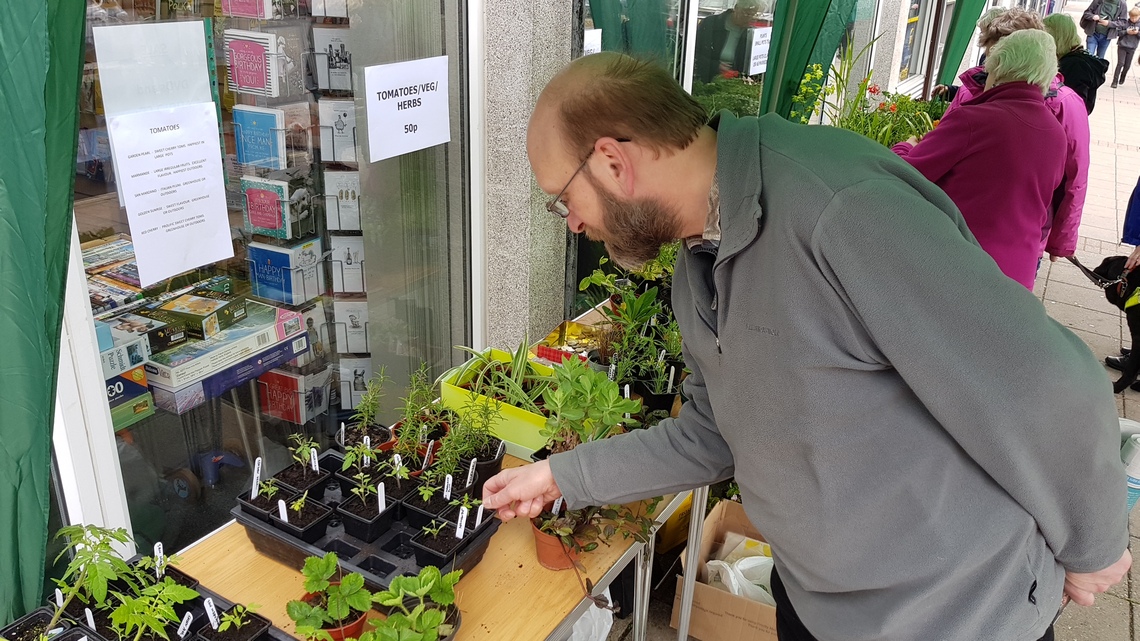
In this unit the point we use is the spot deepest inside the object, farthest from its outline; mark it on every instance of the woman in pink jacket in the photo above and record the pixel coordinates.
(1060, 239)
(1001, 155)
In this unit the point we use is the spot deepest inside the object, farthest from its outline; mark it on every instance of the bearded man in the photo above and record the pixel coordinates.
(929, 454)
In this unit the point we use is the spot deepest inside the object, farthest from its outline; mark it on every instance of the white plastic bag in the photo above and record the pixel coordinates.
(594, 624)
(749, 577)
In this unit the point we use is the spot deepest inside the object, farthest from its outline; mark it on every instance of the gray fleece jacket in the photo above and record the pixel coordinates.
(925, 449)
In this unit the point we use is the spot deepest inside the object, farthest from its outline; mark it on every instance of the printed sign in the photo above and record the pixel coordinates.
(407, 107)
(591, 41)
(758, 50)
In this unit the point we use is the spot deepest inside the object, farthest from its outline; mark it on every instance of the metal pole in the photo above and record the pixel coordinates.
(692, 559)
(781, 63)
(936, 28)
(642, 584)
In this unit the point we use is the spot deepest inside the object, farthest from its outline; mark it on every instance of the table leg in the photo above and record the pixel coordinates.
(696, 529)
(643, 584)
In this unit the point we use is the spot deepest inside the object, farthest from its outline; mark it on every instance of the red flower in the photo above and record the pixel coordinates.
(731, 73)
(882, 106)
(894, 108)
(873, 90)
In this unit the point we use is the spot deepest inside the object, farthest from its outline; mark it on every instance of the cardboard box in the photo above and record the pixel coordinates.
(128, 397)
(717, 614)
(182, 399)
(675, 530)
(127, 354)
(103, 336)
(194, 360)
(203, 312)
(161, 336)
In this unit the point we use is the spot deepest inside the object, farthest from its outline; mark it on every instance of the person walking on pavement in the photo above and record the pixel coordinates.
(819, 275)
(1099, 22)
(1126, 45)
(1080, 71)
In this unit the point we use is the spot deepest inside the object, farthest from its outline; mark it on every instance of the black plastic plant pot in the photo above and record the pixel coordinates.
(255, 629)
(437, 550)
(32, 625)
(78, 634)
(652, 402)
(485, 470)
(366, 529)
(181, 578)
(309, 525)
(261, 507)
(417, 518)
(299, 478)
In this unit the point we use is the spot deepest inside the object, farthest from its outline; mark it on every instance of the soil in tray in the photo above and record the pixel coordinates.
(376, 435)
(253, 627)
(436, 505)
(310, 513)
(365, 512)
(29, 630)
(444, 544)
(299, 476)
(396, 489)
(263, 502)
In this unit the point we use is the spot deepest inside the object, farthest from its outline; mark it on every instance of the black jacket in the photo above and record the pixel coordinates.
(1092, 14)
(1083, 73)
(711, 35)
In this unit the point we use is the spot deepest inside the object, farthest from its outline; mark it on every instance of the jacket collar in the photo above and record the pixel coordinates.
(974, 79)
(738, 175)
(1009, 91)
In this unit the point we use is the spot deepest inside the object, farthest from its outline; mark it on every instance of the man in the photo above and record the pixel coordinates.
(722, 41)
(930, 456)
(1098, 22)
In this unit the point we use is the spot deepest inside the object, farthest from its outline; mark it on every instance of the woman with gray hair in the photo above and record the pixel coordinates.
(1081, 71)
(1009, 127)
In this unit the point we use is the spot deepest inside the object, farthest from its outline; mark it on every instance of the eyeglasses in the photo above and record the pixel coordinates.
(555, 205)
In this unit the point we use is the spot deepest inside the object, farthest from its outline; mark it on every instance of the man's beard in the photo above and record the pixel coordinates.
(635, 230)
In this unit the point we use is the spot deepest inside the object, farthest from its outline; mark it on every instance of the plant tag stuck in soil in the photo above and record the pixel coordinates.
(613, 370)
(83, 638)
(427, 455)
(502, 449)
(313, 460)
(661, 356)
(256, 478)
(184, 628)
(625, 391)
(447, 487)
(282, 511)
(367, 446)
(58, 598)
(479, 516)
(461, 527)
(381, 500)
(159, 560)
(470, 473)
(211, 612)
(557, 506)
(423, 434)
(90, 618)
(397, 462)
(672, 368)
(340, 436)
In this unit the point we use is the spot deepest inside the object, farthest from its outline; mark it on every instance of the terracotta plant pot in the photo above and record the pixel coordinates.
(351, 630)
(552, 555)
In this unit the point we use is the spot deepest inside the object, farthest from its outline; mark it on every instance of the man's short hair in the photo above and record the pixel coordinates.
(1064, 32)
(631, 99)
(1028, 55)
(1006, 22)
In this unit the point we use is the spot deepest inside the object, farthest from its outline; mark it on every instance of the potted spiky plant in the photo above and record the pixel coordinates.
(363, 421)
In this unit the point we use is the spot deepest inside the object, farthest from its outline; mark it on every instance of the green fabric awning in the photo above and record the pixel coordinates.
(804, 32)
(41, 56)
(962, 23)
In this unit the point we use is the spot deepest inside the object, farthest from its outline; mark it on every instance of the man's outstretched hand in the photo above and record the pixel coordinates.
(1083, 588)
(521, 491)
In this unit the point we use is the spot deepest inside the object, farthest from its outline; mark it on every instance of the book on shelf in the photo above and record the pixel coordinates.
(347, 264)
(332, 58)
(102, 253)
(289, 275)
(338, 130)
(342, 200)
(350, 317)
(129, 398)
(251, 62)
(297, 398)
(259, 136)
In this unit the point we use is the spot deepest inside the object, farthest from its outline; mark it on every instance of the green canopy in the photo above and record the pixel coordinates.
(804, 32)
(966, 14)
(41, 56)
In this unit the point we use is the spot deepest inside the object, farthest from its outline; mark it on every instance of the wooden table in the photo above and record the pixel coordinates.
(507, 596)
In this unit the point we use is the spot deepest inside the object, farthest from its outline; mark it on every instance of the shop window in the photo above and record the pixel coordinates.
(731, 54)
(331, 266)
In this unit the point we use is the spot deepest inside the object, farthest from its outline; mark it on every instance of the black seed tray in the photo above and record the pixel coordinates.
(378, 562)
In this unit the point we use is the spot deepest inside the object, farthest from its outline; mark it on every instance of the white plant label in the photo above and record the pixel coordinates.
(212, 611)
(613, 370)
(159, 560)
(470, 473)
(557, 505)
(381, 499)
(58, 598)
(447, 487)
(91, 617)
(661, 356)
(282, 511)
(427, 455)
(313, 460)
(397, 461)
(367, 446)
(672, 369)
(625, 391)
(423, 434)
(83, 638)
(479, 516)
(184, 627)
(502, 449)
(340, 436)
(461, 527)
(256, 478)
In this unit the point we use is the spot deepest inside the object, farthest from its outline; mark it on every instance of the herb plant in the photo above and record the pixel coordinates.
(584, 405)
(470, 435)
(302, 449)
(420, 606)
(237, 616)
(433, 529)
(368, 406)
(268, 488)
(150, 611)
(94, 563)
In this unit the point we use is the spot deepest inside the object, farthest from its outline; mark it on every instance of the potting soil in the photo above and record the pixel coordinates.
(376, 435)
(263, 502)
(251, 630)
(29, 630)
(299, 476)
(366, 512)
(444, 543)
(310, 513)
(437, 503)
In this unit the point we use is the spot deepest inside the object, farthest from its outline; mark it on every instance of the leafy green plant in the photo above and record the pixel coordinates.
(93, 564)
(671, 340)
(419, 416)
(465, 500)
(420, 606)
(268, 488)
(330, 603)
(148, 569)
(516, 383)
(150, 611)
(738, 95)
(237, 616)
(399, 472)
(583, 530)
(298, 505)
(364, 488)
(584, 405)
(470, 434)
(433, 528)
(655, 374)
(368, 406)
(355, 455)
(427, 491)
(302, 450)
